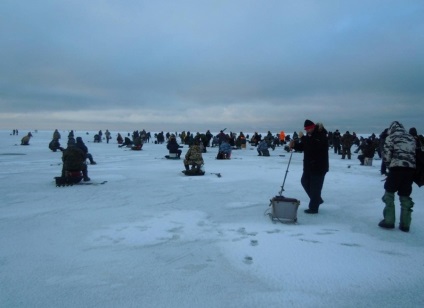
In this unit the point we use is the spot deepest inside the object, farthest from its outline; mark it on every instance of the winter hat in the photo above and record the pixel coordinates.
(79, 140)
(413, 131)
(309, 124)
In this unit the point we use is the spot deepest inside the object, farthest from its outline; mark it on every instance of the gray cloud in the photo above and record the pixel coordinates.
(247, 64)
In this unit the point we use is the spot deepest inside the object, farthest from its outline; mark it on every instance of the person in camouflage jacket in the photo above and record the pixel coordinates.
(399, 157)
(194, 158)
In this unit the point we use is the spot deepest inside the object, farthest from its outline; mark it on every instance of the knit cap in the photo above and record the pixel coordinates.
(309, 124)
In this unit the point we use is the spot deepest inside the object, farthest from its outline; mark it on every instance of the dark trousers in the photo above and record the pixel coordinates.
(400, 180)
(346, 151)
(312, 184)
(337, 147)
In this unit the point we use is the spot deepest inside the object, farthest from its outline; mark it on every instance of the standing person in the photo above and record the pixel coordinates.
(347, 141)
(419, 157)
(107, 134)
(399, 156)
(314, 145)
(383, 136)
(336, 142)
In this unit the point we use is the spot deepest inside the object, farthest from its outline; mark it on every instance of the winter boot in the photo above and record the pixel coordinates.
(197, 169)
(406, 205)
(187, 167)
(389, 211)
(85, 176)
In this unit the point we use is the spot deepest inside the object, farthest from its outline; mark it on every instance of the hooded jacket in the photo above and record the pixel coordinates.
(173, 145)
(80, 144)
(194, 155)
(399, 147)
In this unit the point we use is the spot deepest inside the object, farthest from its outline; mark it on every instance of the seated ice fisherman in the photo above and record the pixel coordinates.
(73, 159)
(224, 150)
(25, 139)
(54, 145)
(137, 143)
(194, 159)
(263, 148)
(80, 144)
(173, 146)
(127, 143)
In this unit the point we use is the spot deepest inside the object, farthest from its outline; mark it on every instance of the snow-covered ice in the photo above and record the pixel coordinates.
(152, 237)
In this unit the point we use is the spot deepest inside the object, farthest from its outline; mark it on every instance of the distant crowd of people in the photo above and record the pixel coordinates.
(401, 153)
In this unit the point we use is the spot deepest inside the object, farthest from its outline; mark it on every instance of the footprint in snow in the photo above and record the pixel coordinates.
(254, 243)
(248, 260)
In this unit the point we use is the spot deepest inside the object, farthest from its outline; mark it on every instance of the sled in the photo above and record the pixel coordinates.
(70, 178)
(62, 181)
(191, 173)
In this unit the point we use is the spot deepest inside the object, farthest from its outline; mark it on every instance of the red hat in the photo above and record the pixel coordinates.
(309, 125)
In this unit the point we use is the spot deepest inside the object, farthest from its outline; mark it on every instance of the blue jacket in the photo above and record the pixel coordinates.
(225, 147)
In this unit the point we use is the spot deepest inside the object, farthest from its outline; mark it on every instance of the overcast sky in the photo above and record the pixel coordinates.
(197, 65)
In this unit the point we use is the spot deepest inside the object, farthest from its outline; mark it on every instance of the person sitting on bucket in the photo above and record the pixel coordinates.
(194, 158)
(173, 146)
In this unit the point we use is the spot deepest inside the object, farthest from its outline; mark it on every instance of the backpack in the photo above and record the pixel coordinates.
(74, 158)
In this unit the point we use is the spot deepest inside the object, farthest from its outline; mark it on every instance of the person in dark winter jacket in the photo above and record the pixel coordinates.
(80, 144)
(399, 156)
(173, 146)
(73, 159)
(368, 151)
(315, 163)
(54, 145)
(383, 136)
(56, 135)
(127, 143)
(419, 155)
(119, 139)
(347, 141)
(336, 142)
